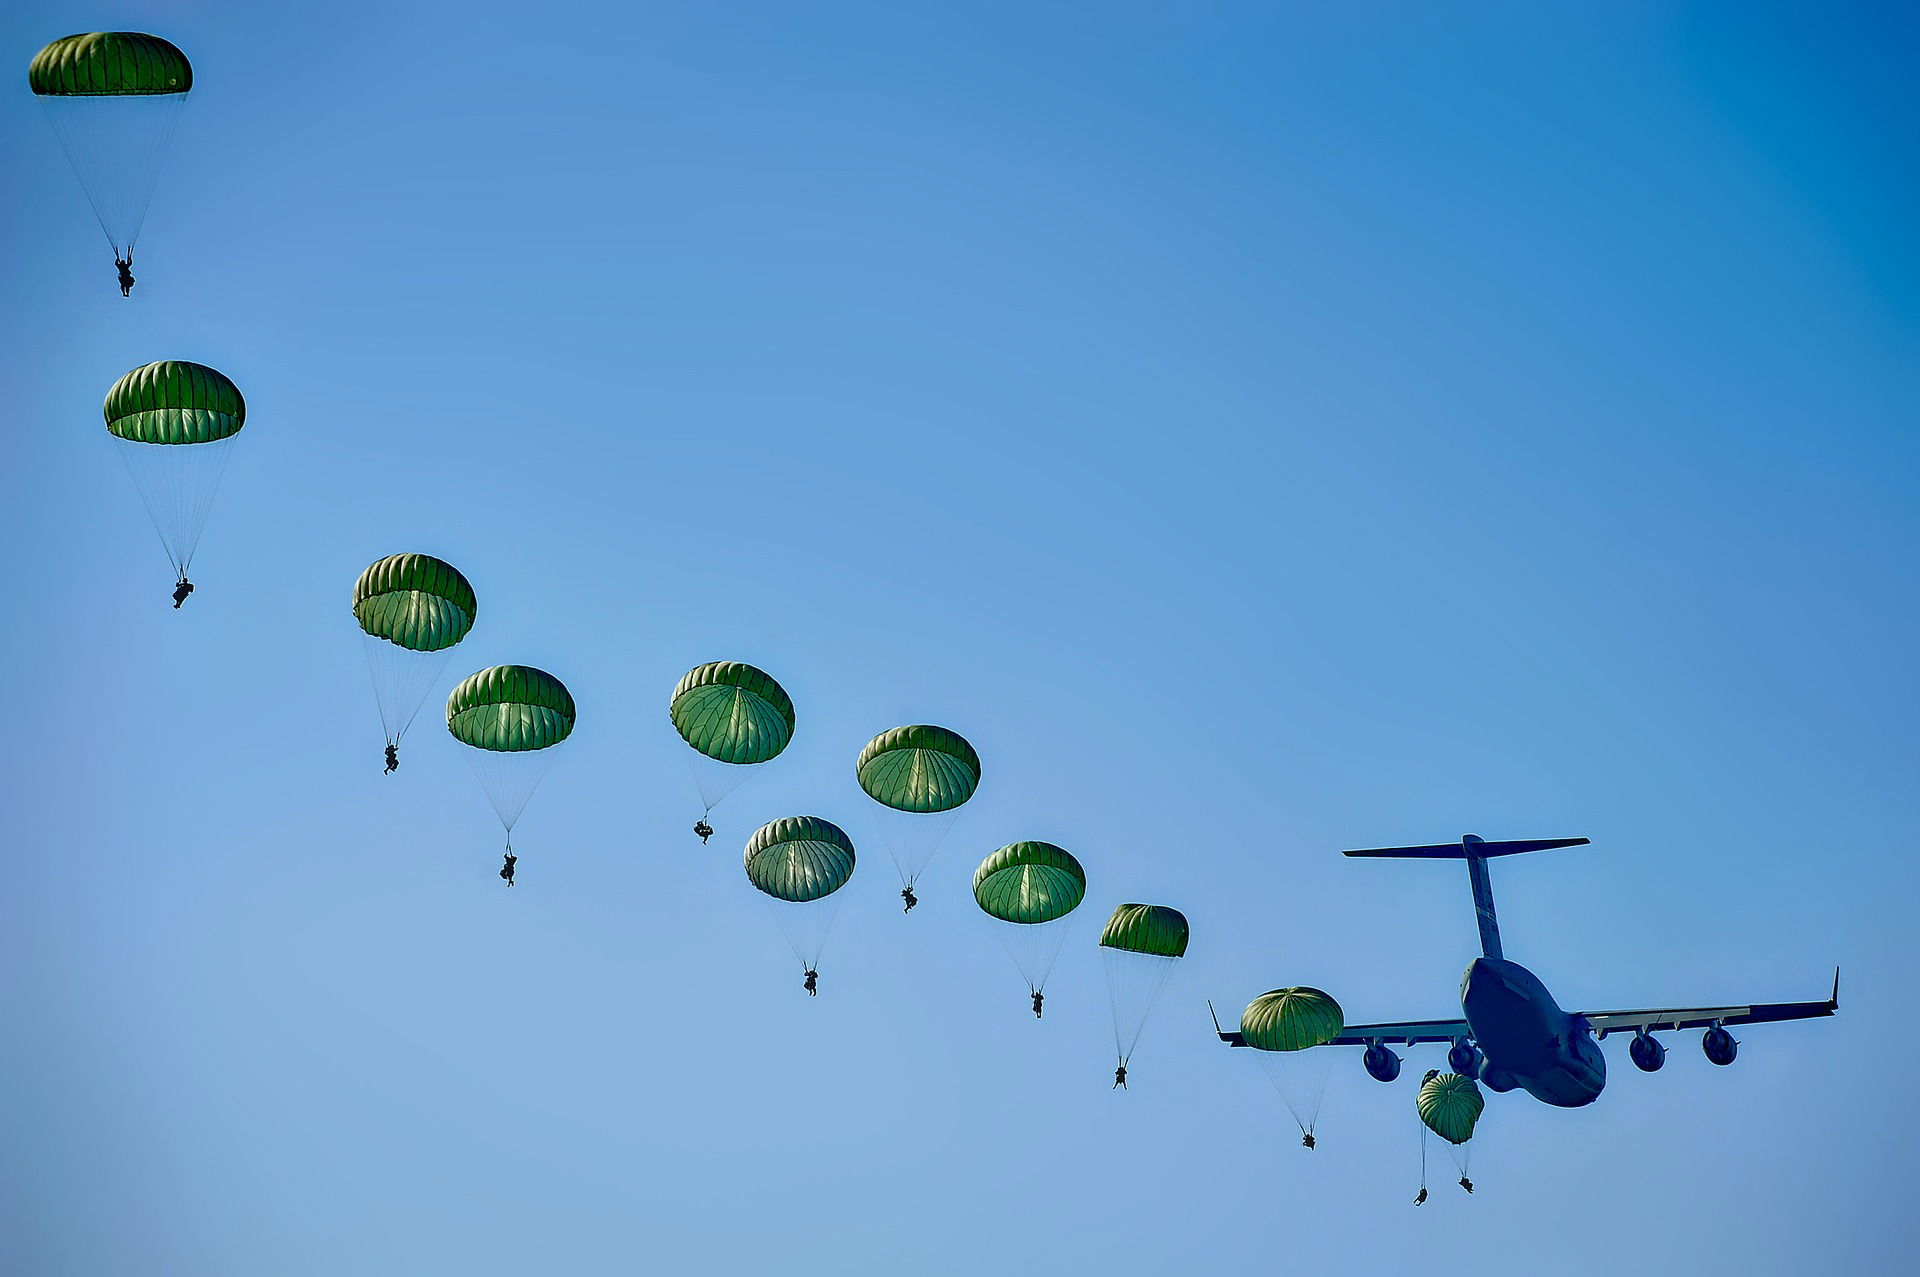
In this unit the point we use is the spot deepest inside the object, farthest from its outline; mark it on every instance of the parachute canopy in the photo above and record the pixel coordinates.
(919, 768)
(732, 712)
(1291, 1020)
(510, 709)
(799, 858)
(1029, 882)
(174, 401)
(109, 64)
(1450, 1105)
(414, 601)
(1151, 929)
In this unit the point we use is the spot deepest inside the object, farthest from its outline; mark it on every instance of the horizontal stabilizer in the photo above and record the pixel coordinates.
(1458, 850)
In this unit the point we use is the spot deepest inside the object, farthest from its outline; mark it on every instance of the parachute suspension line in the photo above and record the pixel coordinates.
(913, 839)
(177, 484)
(806, 926)
(401, 680)
(116, 145)
(1134, 983)
(509, 779)
(1300, 1079)
(714, 780)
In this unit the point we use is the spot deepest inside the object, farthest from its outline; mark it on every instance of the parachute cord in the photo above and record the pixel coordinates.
(1423, 1157)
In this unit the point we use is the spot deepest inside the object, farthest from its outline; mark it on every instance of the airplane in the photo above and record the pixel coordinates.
(1514, 1034)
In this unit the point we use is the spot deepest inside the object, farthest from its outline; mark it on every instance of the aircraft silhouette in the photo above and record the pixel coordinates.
(1514, 1034)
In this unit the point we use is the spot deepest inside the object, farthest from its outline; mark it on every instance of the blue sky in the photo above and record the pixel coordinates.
(1262, 430)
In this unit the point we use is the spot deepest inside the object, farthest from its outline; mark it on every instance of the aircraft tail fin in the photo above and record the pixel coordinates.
(1476, 851)
(1480, 848)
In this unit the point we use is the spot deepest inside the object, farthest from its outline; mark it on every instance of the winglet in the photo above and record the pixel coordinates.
(1231, 1039)
(1833, 1001)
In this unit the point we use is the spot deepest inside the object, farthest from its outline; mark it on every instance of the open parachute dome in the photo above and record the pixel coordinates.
(109, 64)
(799, 858)
(1291, 1020)
(1029, 883)
(919, 769)
(1156, 930)
(414, 601)
(732, 712)
(1450, 1105)
(173, 401)
(510, 709)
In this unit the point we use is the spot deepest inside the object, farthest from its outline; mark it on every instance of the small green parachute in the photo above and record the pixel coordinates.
(511, 717)
(1450, 1105)
(174, 425)
(798, 864)
(1291, 1020)
(113, 99)
(734, 717)
(1029, 883)
(1139, 947)
(414, 601)
(1283, 1025)
(1034, 886)
(1151, 929)
(510, 709)
(412, 610)
(732, 712)
(799, 858)
(919, 769)
(174, 401)
(109, 64)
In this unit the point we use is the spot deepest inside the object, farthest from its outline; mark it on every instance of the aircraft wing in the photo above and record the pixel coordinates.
(1605, 1022)
(1401, 1031)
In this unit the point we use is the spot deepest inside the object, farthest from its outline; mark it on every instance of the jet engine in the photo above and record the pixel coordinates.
(1648, 1052)
(1464, 1058)
(1719, 1045)
(1382, 1065)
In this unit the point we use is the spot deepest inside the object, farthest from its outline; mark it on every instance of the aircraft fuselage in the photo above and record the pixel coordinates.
(1525, 1035)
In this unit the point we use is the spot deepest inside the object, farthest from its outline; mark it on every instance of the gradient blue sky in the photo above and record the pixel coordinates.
(1262, 429)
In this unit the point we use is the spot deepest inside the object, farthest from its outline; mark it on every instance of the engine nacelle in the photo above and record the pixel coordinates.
(1648, 1052)
(1382, 1065)
(1465, 1059)
(1719, 1045)
(1497, 1079)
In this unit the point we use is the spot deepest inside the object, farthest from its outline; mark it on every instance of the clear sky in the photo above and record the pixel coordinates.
(1262, 429)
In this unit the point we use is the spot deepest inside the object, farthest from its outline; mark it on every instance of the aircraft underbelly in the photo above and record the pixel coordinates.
(1513, 1025)
(1523, 1032)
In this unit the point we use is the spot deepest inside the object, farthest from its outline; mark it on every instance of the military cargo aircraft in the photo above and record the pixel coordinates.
(1513, 1034)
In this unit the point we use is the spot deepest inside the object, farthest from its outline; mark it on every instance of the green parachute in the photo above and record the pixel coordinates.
(1450, 1106)
(798, 863)
(113, 99)
(921, 774)
(510, 717)
(919, 769)
(1291, 1020)
(1283, 1026)
(1139, 946)
(1032, 886)
(734, 716)
(174, 424)
(1156, 931)
(412, 609)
